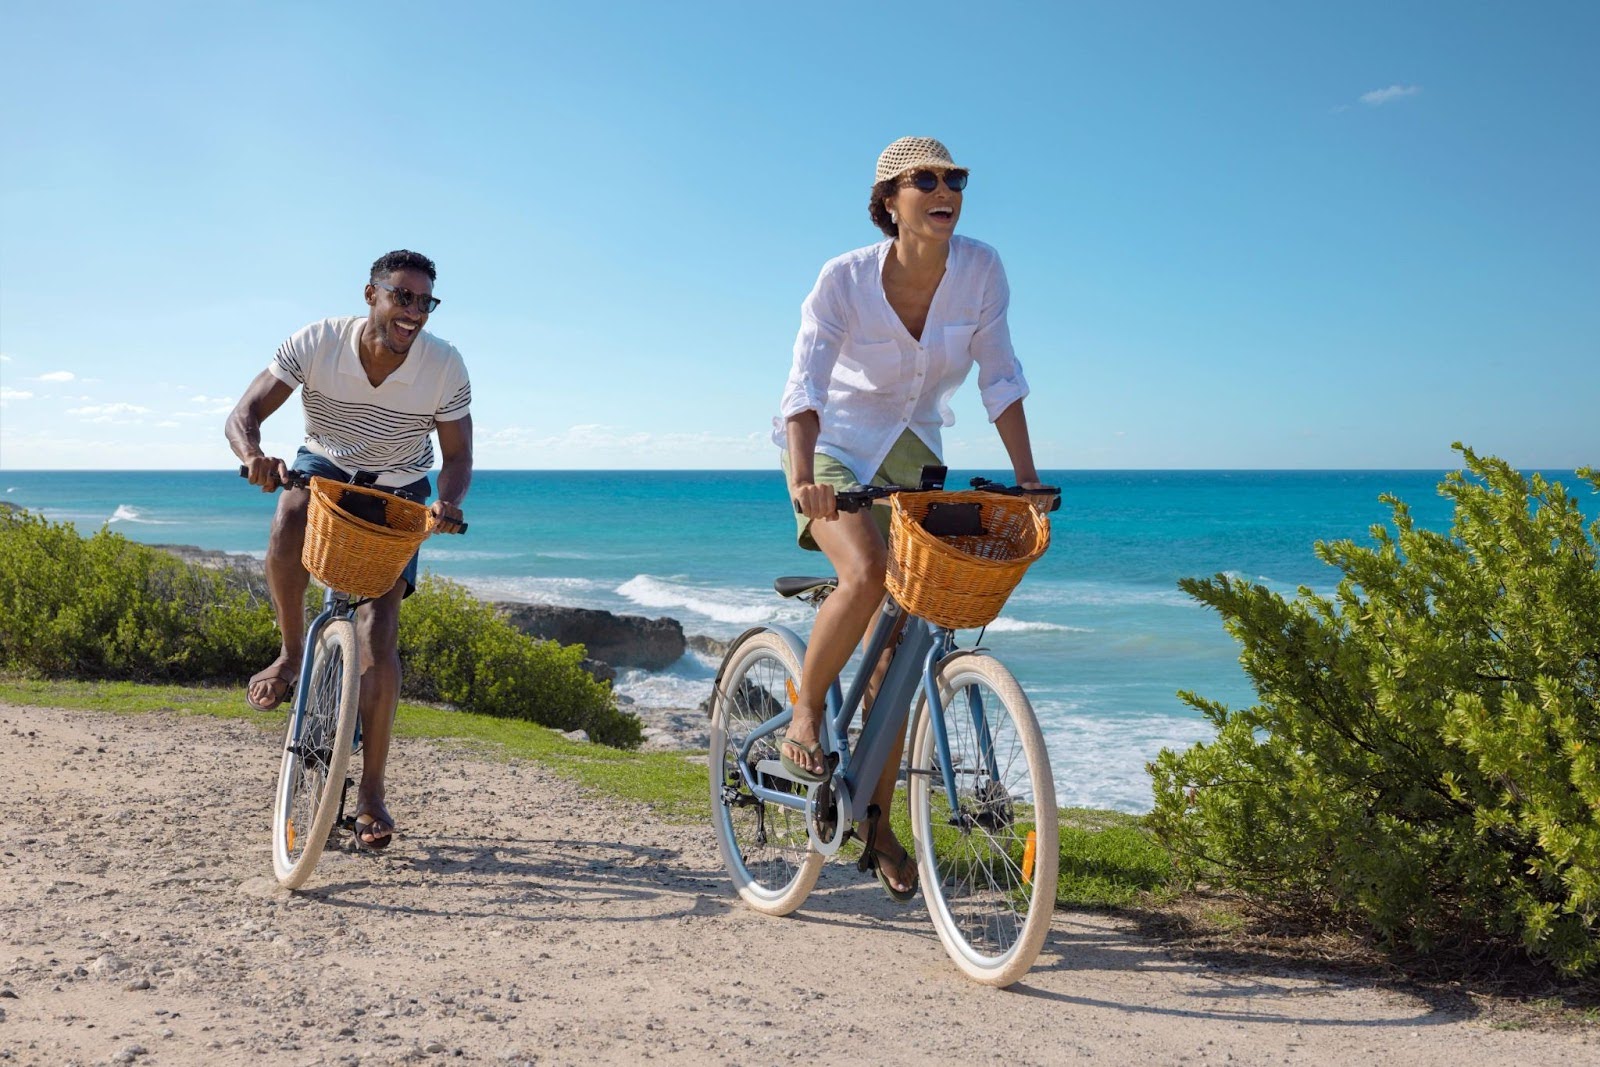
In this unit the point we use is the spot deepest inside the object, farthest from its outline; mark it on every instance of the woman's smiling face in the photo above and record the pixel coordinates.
(928, 215)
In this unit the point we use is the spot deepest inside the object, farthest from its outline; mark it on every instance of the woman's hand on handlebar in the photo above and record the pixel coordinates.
(269, 472)
(446, 518)
(815, 501)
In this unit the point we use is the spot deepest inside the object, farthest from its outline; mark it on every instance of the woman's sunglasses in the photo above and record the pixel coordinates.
(927, 181)
(405, 297)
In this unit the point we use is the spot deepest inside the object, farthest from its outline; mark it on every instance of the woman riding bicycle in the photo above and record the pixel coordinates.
(887, 336)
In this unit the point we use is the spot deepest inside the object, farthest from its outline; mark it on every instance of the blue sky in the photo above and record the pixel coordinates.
(1238, 235)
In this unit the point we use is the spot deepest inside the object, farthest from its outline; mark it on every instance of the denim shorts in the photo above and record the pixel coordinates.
(308, 462)
(902, 466)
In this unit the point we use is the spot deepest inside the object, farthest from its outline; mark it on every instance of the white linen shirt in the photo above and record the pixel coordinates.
(869, 380)
(382, 429)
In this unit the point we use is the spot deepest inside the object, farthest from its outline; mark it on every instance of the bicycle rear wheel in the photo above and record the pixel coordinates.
(764, 846)
(989, 860)
(312, 776)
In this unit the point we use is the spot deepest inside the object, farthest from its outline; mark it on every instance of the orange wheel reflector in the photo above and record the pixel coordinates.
(289, 833)
(1029, 854)
(788, 686)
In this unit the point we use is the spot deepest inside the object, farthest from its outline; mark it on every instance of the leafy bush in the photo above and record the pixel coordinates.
(456, 649)
(105, 607)
(1422, 761)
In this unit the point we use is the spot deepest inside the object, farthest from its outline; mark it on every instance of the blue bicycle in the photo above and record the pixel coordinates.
(324, 728)
(981, 795)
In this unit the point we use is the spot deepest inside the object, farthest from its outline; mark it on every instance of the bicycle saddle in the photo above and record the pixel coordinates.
(796, 586)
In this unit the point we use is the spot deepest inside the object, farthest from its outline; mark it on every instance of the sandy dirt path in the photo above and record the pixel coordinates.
(518, 920)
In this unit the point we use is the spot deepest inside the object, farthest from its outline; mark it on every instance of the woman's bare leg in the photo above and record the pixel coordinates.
(856, 549)
(859, 557)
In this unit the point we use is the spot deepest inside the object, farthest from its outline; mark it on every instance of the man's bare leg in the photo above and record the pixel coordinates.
(286, 581)
(379, 625)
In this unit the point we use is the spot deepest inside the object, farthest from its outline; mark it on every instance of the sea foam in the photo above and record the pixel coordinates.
(719, 603)
(129, 513)
(1098, 760)
(1004, 625)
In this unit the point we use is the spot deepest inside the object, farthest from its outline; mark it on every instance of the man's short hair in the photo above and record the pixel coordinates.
(402, 259)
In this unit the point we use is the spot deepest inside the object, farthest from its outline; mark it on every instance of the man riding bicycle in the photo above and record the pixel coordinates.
(375, 388)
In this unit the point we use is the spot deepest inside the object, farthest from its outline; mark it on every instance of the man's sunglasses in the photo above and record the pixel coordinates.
(927, 181)
(405, 298)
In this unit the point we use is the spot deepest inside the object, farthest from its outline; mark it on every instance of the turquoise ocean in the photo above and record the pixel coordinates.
(1098, 633)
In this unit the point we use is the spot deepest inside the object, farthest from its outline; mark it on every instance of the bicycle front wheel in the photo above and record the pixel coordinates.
(988, 854)
(315, 756)
(764, 846)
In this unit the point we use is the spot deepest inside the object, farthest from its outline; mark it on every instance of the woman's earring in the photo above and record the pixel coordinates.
(893, 217)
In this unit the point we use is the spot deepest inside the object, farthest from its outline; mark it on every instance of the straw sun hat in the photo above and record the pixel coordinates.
(908, 153)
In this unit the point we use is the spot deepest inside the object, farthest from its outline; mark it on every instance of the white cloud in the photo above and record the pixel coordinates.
(226, 400)
(15, 394)
(4, 358)
(107, 411)
(1378, 97)
(57, 376)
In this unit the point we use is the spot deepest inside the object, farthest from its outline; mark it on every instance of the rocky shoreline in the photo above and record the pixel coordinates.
(611, 642)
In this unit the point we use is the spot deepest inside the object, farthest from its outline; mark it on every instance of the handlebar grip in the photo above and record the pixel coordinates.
(296, 479)
(843, 501)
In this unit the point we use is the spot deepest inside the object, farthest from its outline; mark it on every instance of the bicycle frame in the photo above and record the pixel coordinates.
(922, 649)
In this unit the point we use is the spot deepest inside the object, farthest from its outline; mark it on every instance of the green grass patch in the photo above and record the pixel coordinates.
(1108, 859)
(672, 784)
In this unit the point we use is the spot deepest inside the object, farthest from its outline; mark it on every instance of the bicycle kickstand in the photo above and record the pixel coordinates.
(343, 821)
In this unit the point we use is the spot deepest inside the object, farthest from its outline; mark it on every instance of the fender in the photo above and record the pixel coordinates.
(789, 637)
(920, 706)
(958, 653)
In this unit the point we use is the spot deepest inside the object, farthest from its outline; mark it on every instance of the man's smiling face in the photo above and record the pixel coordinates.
(397, 314)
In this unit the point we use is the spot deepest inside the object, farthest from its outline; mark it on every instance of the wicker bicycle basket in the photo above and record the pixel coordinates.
(351, 553)
(962, 581)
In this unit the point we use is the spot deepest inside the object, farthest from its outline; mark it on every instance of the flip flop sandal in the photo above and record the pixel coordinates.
(283, 676)
(870, 854)
(377, 844)
(797, 770)
(896, 895)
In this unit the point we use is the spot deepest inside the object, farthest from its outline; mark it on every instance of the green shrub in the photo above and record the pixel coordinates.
(1422, 761)
(458, 650)
(106, 607)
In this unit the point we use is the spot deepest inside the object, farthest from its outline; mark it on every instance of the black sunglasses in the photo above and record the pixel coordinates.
(405, 298)
(927, 181)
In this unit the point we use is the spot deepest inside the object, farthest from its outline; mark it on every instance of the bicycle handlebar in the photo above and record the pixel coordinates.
(294, 479)
(852, 500)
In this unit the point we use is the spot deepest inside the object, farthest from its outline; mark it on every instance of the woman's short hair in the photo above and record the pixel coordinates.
(880, 215)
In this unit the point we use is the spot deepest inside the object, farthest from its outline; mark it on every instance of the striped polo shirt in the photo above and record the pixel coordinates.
(383, 429)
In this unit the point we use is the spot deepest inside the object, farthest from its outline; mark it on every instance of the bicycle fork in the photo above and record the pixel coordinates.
(941, 732)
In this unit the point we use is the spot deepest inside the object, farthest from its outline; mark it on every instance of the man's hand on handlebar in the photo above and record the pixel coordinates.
(269, 472)
(446, 518)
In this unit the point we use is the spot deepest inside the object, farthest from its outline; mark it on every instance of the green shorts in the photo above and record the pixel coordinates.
(902, 466)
